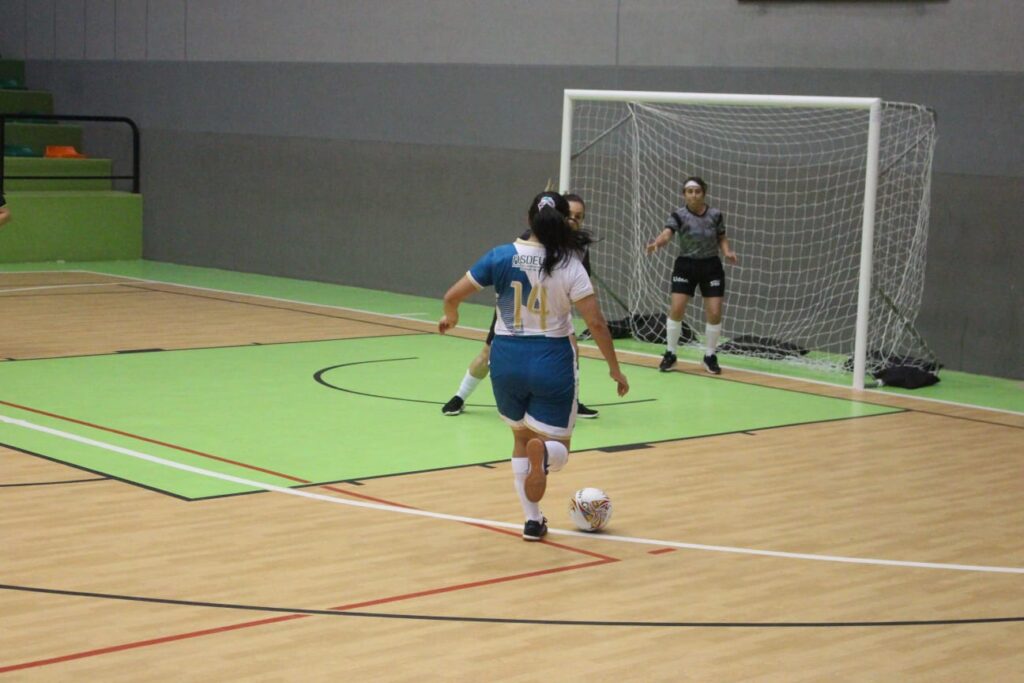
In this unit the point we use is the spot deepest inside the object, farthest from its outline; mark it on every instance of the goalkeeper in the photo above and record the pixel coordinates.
(700, 233)
(479, 366)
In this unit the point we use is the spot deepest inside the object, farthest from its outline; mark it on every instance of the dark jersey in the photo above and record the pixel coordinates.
(697, 236)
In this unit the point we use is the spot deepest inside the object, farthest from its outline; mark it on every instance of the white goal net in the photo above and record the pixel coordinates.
(796, 181)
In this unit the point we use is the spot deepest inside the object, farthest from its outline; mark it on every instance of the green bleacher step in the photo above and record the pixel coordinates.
(25, 102)
(12, 73)
(66, 168)
(37, 136)
(72, 226)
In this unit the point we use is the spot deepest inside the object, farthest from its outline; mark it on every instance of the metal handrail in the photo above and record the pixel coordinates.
(136, 165)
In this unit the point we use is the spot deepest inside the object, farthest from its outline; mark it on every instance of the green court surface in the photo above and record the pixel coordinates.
(376, 412)
(955, 387)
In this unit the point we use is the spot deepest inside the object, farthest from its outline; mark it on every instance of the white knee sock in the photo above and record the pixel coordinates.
(672, 330)
(520, 468)
(469, 383)
(711, 334)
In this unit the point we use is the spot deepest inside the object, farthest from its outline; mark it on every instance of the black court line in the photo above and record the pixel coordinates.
(318, 376)
(54, 483)
(507, 620)
(243, 345)
(105, 475)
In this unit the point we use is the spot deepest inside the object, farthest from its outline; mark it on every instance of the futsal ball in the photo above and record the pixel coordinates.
(590, 509)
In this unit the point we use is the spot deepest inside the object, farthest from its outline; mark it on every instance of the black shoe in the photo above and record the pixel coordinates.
(534, 531)
(454, 406)
(711, 364)
(667, 361)
(585, 412)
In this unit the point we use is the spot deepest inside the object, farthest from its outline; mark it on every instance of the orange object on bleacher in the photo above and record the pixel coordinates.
(62, 152)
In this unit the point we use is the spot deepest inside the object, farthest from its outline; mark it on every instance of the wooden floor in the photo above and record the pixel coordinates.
(104, 581)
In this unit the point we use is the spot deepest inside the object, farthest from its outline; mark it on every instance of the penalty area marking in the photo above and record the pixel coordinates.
(486, 522)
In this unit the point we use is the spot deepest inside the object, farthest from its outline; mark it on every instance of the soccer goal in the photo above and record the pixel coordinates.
(826, 202)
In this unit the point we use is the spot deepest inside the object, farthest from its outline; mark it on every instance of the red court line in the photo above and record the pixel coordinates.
(291, 617)
(602, 559)
(154, 441)
(659, 551)
(282, 475)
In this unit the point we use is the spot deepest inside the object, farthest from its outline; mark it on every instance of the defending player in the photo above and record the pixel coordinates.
(478, 369)
(533, 364)
(700, 233)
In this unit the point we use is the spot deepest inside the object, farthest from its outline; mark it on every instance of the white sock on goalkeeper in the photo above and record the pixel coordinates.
(672, 330)
(711, 335)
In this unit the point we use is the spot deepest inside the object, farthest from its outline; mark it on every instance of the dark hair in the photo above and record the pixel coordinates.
(572, 197)
(699, 181)
(548, 213)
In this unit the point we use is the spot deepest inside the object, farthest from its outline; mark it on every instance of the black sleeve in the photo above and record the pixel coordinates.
(678, 220)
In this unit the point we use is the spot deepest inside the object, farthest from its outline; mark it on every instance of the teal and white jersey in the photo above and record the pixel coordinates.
(529, 302)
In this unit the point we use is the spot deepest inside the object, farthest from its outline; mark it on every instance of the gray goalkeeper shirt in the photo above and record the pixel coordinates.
(697, 236)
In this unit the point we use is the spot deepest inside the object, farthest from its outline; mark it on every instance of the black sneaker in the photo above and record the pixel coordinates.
(585, 412)
(454, 406)
(711, 364)
(534, 530)
(667, 361)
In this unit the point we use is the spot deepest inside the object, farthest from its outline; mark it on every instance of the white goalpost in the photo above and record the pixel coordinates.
(826, 201)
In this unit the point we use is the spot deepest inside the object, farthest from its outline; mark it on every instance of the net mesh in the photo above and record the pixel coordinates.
(790, 182)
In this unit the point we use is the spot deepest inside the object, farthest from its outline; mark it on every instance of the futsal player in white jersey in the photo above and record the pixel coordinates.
(478, 368)
(537, 281)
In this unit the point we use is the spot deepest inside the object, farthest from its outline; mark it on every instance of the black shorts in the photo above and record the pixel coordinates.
(490, 334)
(687, 273)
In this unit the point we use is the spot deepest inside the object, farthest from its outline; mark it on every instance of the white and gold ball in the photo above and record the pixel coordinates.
(590, 509)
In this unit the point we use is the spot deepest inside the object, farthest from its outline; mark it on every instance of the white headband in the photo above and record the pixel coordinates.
(692, 183)
(545, 201)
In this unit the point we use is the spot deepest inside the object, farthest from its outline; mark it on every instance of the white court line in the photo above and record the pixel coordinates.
(507, 525)
(28, 289)
(590, 345)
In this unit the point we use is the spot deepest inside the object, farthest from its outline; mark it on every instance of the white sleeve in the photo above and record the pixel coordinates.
(580, 286)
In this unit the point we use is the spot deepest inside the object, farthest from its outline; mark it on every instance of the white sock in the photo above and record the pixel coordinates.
(520, 468)
(711, 334)
(672, 330)
(469, 383)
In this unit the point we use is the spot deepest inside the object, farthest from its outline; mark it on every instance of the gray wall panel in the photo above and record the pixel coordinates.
(100, 29)
(951, 35)
(165, 29)
(69, 29)
(13, 35)
(407, 218)
(957, 35)
(131, 29)
(513, 107)
(451, 32)
(973, 308)
(40, 27)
